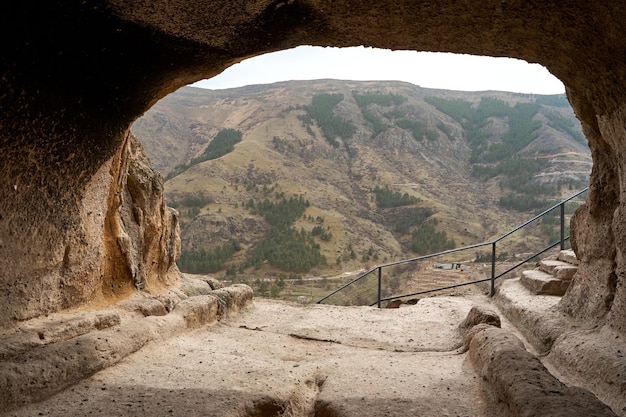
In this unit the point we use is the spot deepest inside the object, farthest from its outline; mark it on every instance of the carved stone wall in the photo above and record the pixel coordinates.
(74, 76)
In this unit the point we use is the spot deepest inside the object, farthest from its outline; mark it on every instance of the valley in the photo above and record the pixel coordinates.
(282, 182)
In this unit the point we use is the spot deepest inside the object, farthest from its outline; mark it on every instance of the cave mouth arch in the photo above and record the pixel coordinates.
(75, 75)
(72, 88)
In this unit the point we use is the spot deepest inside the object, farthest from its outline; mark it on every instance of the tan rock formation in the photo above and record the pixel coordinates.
(74, 75)
(120, 237)
(520, 384)
(141, 234)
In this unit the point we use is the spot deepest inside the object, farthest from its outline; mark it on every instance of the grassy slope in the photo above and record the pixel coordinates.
(336, 185)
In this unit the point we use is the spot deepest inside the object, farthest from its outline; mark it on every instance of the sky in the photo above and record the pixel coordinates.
(425, 69)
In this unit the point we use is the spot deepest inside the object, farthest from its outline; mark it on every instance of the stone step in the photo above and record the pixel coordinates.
(542, 283)
(33, 374)
(568, 255)
(559, 269)
(55, 328)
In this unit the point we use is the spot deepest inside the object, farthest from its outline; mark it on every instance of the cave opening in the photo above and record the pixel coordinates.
(75, 75)
(178, 131)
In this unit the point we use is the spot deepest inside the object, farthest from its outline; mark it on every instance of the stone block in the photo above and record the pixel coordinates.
(147, 306)
(192, 285)
(568, 256)
(542, 283)
(233, 298)
(565, 273)
(198, 311)
(480, 315)
(550, 266)
(517, 378)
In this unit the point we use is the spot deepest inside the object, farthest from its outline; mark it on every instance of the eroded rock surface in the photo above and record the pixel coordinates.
(44, 356)
(286, 359)
(521, 385)
(126, 239)
(585, 355)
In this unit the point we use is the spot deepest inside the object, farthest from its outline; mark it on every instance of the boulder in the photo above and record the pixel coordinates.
(480, 315)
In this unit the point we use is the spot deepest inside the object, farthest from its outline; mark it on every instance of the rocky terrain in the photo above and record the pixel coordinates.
(76, 75)
(444, 356)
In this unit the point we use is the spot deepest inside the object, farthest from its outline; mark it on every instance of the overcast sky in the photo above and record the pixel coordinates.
(431, 70)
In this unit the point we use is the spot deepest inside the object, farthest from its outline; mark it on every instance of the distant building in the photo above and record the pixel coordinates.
(451, 266)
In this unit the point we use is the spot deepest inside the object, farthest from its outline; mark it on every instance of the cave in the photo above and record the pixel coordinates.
(76, 231)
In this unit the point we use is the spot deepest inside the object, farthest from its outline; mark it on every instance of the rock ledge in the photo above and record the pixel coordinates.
(44, 356)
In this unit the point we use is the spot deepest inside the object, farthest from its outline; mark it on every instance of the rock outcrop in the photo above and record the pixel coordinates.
(75, 75)
(142, 234)
(120, 237)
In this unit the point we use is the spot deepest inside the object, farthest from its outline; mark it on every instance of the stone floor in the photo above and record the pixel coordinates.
(282, 359)
(285, 359)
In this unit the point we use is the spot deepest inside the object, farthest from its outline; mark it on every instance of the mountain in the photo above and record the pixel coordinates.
(321, 177)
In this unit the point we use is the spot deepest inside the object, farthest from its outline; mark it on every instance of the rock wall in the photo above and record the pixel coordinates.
(66, 248)
(598, 292)
(141, 234)
(74, 76)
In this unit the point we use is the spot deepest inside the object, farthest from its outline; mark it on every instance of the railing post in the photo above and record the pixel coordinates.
(493, 269)
(562, 226)
(380, 286)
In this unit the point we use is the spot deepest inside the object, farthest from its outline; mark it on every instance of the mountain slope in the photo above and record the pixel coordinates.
(352, 150)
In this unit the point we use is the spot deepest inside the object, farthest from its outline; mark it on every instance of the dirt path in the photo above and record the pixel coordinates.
(282, 359)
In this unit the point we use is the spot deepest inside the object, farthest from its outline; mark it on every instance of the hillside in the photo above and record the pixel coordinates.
(355, 173)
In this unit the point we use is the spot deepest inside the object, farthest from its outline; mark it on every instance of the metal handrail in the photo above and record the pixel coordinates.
(473, 282)
(543, 213)
(493, 243)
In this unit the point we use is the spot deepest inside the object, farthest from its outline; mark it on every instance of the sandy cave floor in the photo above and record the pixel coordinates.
(278, 358)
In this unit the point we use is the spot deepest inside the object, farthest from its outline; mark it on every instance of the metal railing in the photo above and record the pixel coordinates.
(494, 257)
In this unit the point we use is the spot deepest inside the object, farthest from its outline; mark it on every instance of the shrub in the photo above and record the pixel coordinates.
(223, 143)
(426, 240)
(332, 127)
(385, 198)
(207, 261)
